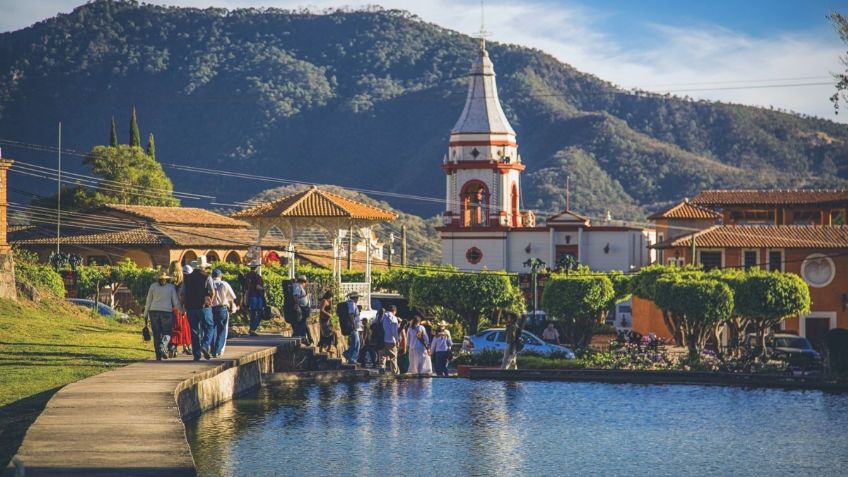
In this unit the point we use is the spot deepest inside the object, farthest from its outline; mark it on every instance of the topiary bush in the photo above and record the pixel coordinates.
(41, 277)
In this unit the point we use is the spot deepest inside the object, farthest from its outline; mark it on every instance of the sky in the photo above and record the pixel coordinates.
(770, 53)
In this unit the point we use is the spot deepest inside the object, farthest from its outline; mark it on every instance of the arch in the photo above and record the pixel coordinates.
(139, 257)
(232, 257)
(188, 257)
(474, 200)
(515, 218)
(212, 257)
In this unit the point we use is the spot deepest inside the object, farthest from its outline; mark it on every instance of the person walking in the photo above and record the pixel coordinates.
(198, 293)
(417, 343)
(181, 331)
(391, 338)
(403, 349)
(551, 334)
(327, 339)
(366, 351)
(301, 295)
(440, 350)
(158, 311)
(253, 297)
(514, 341)
(222, 305)
(352, 353)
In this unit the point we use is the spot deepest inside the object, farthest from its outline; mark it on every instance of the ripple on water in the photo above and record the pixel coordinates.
(460, 427)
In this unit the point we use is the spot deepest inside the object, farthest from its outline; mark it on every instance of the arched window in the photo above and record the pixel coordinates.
(475, 204)
(513, 206)
(188, 257)
(212, 257)
(233, 257)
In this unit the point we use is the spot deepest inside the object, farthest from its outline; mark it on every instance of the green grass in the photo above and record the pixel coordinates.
(46, 346)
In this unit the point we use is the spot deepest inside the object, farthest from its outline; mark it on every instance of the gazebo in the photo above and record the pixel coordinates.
(331, 214)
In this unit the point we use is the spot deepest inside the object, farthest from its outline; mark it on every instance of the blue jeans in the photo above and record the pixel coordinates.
(161, 323)
(202, 330)
(221, 318)
(440, 363)
(256, 305)
(352, 353)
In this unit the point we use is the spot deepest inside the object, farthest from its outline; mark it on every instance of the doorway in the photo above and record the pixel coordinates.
(815, 329)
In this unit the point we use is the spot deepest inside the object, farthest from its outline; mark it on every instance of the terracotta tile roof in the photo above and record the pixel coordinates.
(771, 197)
(174, 215)
(685, 210)
(764, 236)
(315, 203)
(324, 259)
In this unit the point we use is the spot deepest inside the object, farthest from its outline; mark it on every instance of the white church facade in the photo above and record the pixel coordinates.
(484, 228)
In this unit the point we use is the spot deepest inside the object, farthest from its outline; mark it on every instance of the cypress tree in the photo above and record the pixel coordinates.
(135, 135)
(113, 135)
(151, 146)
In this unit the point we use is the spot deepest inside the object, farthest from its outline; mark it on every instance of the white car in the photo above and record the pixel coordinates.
(495, 338)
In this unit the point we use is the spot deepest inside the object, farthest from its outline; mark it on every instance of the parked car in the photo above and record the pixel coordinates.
(102, 308)
(495, 338)
(788, 347)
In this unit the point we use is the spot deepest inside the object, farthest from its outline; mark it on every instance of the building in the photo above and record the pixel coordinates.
(785, 230)
(149, 236)
(484, 227)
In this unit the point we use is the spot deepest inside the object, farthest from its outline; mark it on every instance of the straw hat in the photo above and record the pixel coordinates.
(164, 276)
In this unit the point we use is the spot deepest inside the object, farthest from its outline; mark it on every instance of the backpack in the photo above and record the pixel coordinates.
(344, 318)
(291, 312)
(378, 334)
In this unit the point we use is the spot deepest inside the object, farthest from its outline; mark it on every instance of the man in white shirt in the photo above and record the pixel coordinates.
(159, 312)
(391, 332)
(301, 297)
(222, 304)
(352, 353)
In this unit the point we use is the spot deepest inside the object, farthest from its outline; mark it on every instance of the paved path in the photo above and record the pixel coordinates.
(123, 422)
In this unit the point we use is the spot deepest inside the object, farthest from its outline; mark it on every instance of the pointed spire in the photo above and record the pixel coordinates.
(135, 135)
(113, 134)
(151, 146)
(482, 113)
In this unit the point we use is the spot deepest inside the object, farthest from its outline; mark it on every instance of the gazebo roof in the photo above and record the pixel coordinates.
(314, 203)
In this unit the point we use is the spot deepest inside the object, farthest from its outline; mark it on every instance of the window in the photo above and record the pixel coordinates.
(752, 216)
(710, 259)
(475, 204)
(818, 270)
(491, 336)
(775, 260)
(501, 337)
(805, 217)
(97, 260)
(837, 217)
(749, 259)
(529, 340)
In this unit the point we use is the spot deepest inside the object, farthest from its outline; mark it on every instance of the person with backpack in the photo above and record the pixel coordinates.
(253, 297)
(375, 339)
(300, 295)
(351, 324)
(391, 338)
(514, 341)
(198, 293)
(440, 350)
(325, 324)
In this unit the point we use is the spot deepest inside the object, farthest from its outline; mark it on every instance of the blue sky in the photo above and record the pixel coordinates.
(758, 52)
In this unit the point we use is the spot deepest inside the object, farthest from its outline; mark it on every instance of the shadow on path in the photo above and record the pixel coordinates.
(16, 418)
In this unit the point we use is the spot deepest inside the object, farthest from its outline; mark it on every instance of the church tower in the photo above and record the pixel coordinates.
(482, 165)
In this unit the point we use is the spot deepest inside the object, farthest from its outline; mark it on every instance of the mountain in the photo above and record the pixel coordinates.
(366, 99)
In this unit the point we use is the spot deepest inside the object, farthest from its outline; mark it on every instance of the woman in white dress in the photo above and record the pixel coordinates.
(418, 343)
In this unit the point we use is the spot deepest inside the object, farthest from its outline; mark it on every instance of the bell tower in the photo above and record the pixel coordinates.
(482, 164)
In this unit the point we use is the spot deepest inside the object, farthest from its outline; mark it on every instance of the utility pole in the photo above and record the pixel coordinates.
(59, 194)
(403, 245)
(350, 248)
(568, 192)
(391, 247)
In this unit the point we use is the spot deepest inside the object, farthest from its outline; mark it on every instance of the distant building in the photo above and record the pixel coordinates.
(484, 227)
(149, 236)
(786, 230)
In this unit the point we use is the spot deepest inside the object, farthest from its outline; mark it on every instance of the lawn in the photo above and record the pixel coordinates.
(46, 346)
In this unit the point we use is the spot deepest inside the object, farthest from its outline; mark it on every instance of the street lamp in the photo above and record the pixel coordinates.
(535, 264)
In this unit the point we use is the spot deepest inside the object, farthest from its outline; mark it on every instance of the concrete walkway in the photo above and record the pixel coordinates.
(126, 422)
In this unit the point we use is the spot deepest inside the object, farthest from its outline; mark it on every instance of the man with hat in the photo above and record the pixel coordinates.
(198, 293)
(301, 297)
(352, 353)
(253, 297)
(158, 311)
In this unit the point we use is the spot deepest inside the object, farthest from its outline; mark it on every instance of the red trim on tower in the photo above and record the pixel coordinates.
(501, 167)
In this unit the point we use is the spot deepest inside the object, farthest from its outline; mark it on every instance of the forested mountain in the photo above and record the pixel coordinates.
(366, 99)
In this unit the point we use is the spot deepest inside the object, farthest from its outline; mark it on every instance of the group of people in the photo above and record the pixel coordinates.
(388, 343)
(189, 307)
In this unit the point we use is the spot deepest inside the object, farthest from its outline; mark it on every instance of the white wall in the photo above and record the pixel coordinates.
(454, 249)
(626, 248)
(539, 242)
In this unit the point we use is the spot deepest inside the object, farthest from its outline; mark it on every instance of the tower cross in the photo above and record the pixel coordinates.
(482, 34)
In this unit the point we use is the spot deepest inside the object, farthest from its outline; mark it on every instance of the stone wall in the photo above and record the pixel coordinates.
(7, 275)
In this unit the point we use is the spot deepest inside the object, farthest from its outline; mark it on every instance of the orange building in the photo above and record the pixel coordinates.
(788, 230)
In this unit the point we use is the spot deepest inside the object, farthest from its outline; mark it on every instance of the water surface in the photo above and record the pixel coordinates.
(444, 427)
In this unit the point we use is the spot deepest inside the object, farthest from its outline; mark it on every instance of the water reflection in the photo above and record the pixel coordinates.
(459, 427)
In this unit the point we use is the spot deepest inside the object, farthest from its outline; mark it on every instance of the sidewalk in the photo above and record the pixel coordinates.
(124, 422)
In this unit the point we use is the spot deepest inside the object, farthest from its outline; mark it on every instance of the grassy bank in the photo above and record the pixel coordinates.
(46, 346)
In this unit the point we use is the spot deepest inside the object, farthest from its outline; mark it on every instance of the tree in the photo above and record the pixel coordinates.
(135, 135)
(840, 24)
(767, 299)
(130, 177)
(113, 134)
(699, 306)
(151, 146)
(580, 302)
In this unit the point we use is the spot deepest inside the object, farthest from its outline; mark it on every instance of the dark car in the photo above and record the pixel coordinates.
(102, 308)
(796, 351)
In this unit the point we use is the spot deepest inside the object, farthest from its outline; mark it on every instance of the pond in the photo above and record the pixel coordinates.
(436, 427)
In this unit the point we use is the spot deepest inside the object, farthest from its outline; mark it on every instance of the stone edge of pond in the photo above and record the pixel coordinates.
(66, 437)
(658, 377)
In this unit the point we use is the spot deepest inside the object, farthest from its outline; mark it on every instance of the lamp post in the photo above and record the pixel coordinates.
(535, 265)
